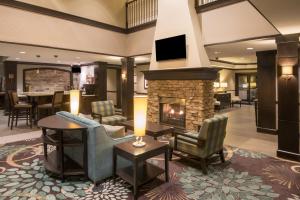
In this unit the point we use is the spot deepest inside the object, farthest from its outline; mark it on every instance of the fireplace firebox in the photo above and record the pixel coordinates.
(172, 111)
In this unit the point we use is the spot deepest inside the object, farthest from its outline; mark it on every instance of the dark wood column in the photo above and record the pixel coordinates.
(10, 74)
(101, 80)
(288, 98)
(119, 88)
(127, 75)
(266, 91)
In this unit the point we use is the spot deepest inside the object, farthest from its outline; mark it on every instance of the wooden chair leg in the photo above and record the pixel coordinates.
(170, 154)
(30, 117)
(9, 116)
(12, 119)
(222, 156)
(17, 117)
(203, 165)
(27, 115)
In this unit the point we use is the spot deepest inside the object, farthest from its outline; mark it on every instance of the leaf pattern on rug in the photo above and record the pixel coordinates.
(224, 183)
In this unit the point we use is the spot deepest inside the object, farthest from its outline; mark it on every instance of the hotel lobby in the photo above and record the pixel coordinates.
(149, 99)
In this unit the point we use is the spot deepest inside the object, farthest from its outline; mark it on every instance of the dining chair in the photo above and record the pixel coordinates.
(55, 105)
(18, 110)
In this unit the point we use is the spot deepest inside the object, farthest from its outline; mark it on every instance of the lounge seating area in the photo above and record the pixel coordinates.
(149, 100)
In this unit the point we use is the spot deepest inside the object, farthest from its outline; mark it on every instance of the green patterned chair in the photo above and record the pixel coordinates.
(105, 113)
(203, 144)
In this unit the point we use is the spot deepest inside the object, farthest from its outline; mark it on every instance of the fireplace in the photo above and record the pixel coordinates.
(172, 111)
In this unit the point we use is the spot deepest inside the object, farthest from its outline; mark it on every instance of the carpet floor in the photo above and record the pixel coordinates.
(244, 175)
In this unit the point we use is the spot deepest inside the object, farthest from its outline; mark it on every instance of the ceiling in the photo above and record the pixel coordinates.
(232, 52)
(238, 52)
(16, 52)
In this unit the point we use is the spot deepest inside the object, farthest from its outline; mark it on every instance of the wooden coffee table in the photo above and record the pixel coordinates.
(154, 130)
(141, 171)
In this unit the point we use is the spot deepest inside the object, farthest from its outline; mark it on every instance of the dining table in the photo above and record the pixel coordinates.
(35, 97)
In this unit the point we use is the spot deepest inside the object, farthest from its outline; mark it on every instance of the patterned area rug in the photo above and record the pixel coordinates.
(244, 175)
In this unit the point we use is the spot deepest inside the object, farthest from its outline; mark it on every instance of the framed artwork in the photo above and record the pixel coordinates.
(145, 84)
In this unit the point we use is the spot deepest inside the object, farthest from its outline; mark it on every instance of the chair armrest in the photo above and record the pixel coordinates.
(97, 116)
(186, 135)
(192, 139)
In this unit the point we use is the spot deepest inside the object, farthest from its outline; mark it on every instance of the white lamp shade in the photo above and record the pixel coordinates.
(224, 85)
(287, 70)
(140, 115)
(74, 101)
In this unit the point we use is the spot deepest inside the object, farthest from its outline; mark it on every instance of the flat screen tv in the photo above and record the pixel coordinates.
(171, 48)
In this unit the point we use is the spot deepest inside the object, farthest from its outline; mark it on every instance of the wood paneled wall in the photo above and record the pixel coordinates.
(288, 97)
(266, 91)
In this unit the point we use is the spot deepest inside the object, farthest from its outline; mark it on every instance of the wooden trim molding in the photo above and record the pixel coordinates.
(204, 73)
(243, 40)
(215, 5)
(232, 63)
(61, 15)
(73, 18)
(44, 64)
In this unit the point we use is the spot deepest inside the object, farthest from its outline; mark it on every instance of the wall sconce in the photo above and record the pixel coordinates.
(140, 118)
(74, 101)
(216, 84)
(11, 76)
(123, 75)
(287, 70)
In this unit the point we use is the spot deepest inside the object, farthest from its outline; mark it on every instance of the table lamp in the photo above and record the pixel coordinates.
(74, 101)
(140, 117)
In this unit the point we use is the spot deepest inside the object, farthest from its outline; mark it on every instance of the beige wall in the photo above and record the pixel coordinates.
(177, 18)
(107, 11)
(140, 78)
(140, 42)
(234, 22)
(26, 27)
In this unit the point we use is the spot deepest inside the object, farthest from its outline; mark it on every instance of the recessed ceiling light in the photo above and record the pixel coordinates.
(22, 52)
(59, 61)
(250, 48)
(17, 58)
(217, 52)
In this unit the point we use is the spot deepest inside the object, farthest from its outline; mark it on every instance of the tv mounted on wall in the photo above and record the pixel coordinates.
(171, 48)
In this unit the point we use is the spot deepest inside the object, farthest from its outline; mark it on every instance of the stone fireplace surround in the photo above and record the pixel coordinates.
(193, 84)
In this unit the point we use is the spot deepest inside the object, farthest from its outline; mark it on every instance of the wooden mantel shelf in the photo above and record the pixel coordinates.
(200, 73)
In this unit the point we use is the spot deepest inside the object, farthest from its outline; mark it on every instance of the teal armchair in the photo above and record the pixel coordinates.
(100, 143)
(105, 113)
(203, 144)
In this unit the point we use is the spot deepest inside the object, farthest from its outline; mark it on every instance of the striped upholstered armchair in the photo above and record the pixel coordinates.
(203, 144)
(105, 113)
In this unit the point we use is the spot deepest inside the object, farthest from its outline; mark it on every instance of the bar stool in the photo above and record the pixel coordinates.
(57, 102)
(18, 110)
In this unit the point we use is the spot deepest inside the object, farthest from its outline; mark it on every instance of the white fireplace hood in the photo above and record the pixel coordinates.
(178, 17)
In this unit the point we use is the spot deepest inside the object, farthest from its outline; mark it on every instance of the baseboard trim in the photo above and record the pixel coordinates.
(266, 130)
(288, 155)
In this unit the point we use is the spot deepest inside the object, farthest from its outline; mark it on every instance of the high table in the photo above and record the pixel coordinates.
(54, 128)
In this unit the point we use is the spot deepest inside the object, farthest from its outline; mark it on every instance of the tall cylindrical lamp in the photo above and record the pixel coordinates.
(140, 119)
(74, 101)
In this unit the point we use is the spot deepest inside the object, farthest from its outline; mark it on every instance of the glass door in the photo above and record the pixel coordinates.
(246, 87)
